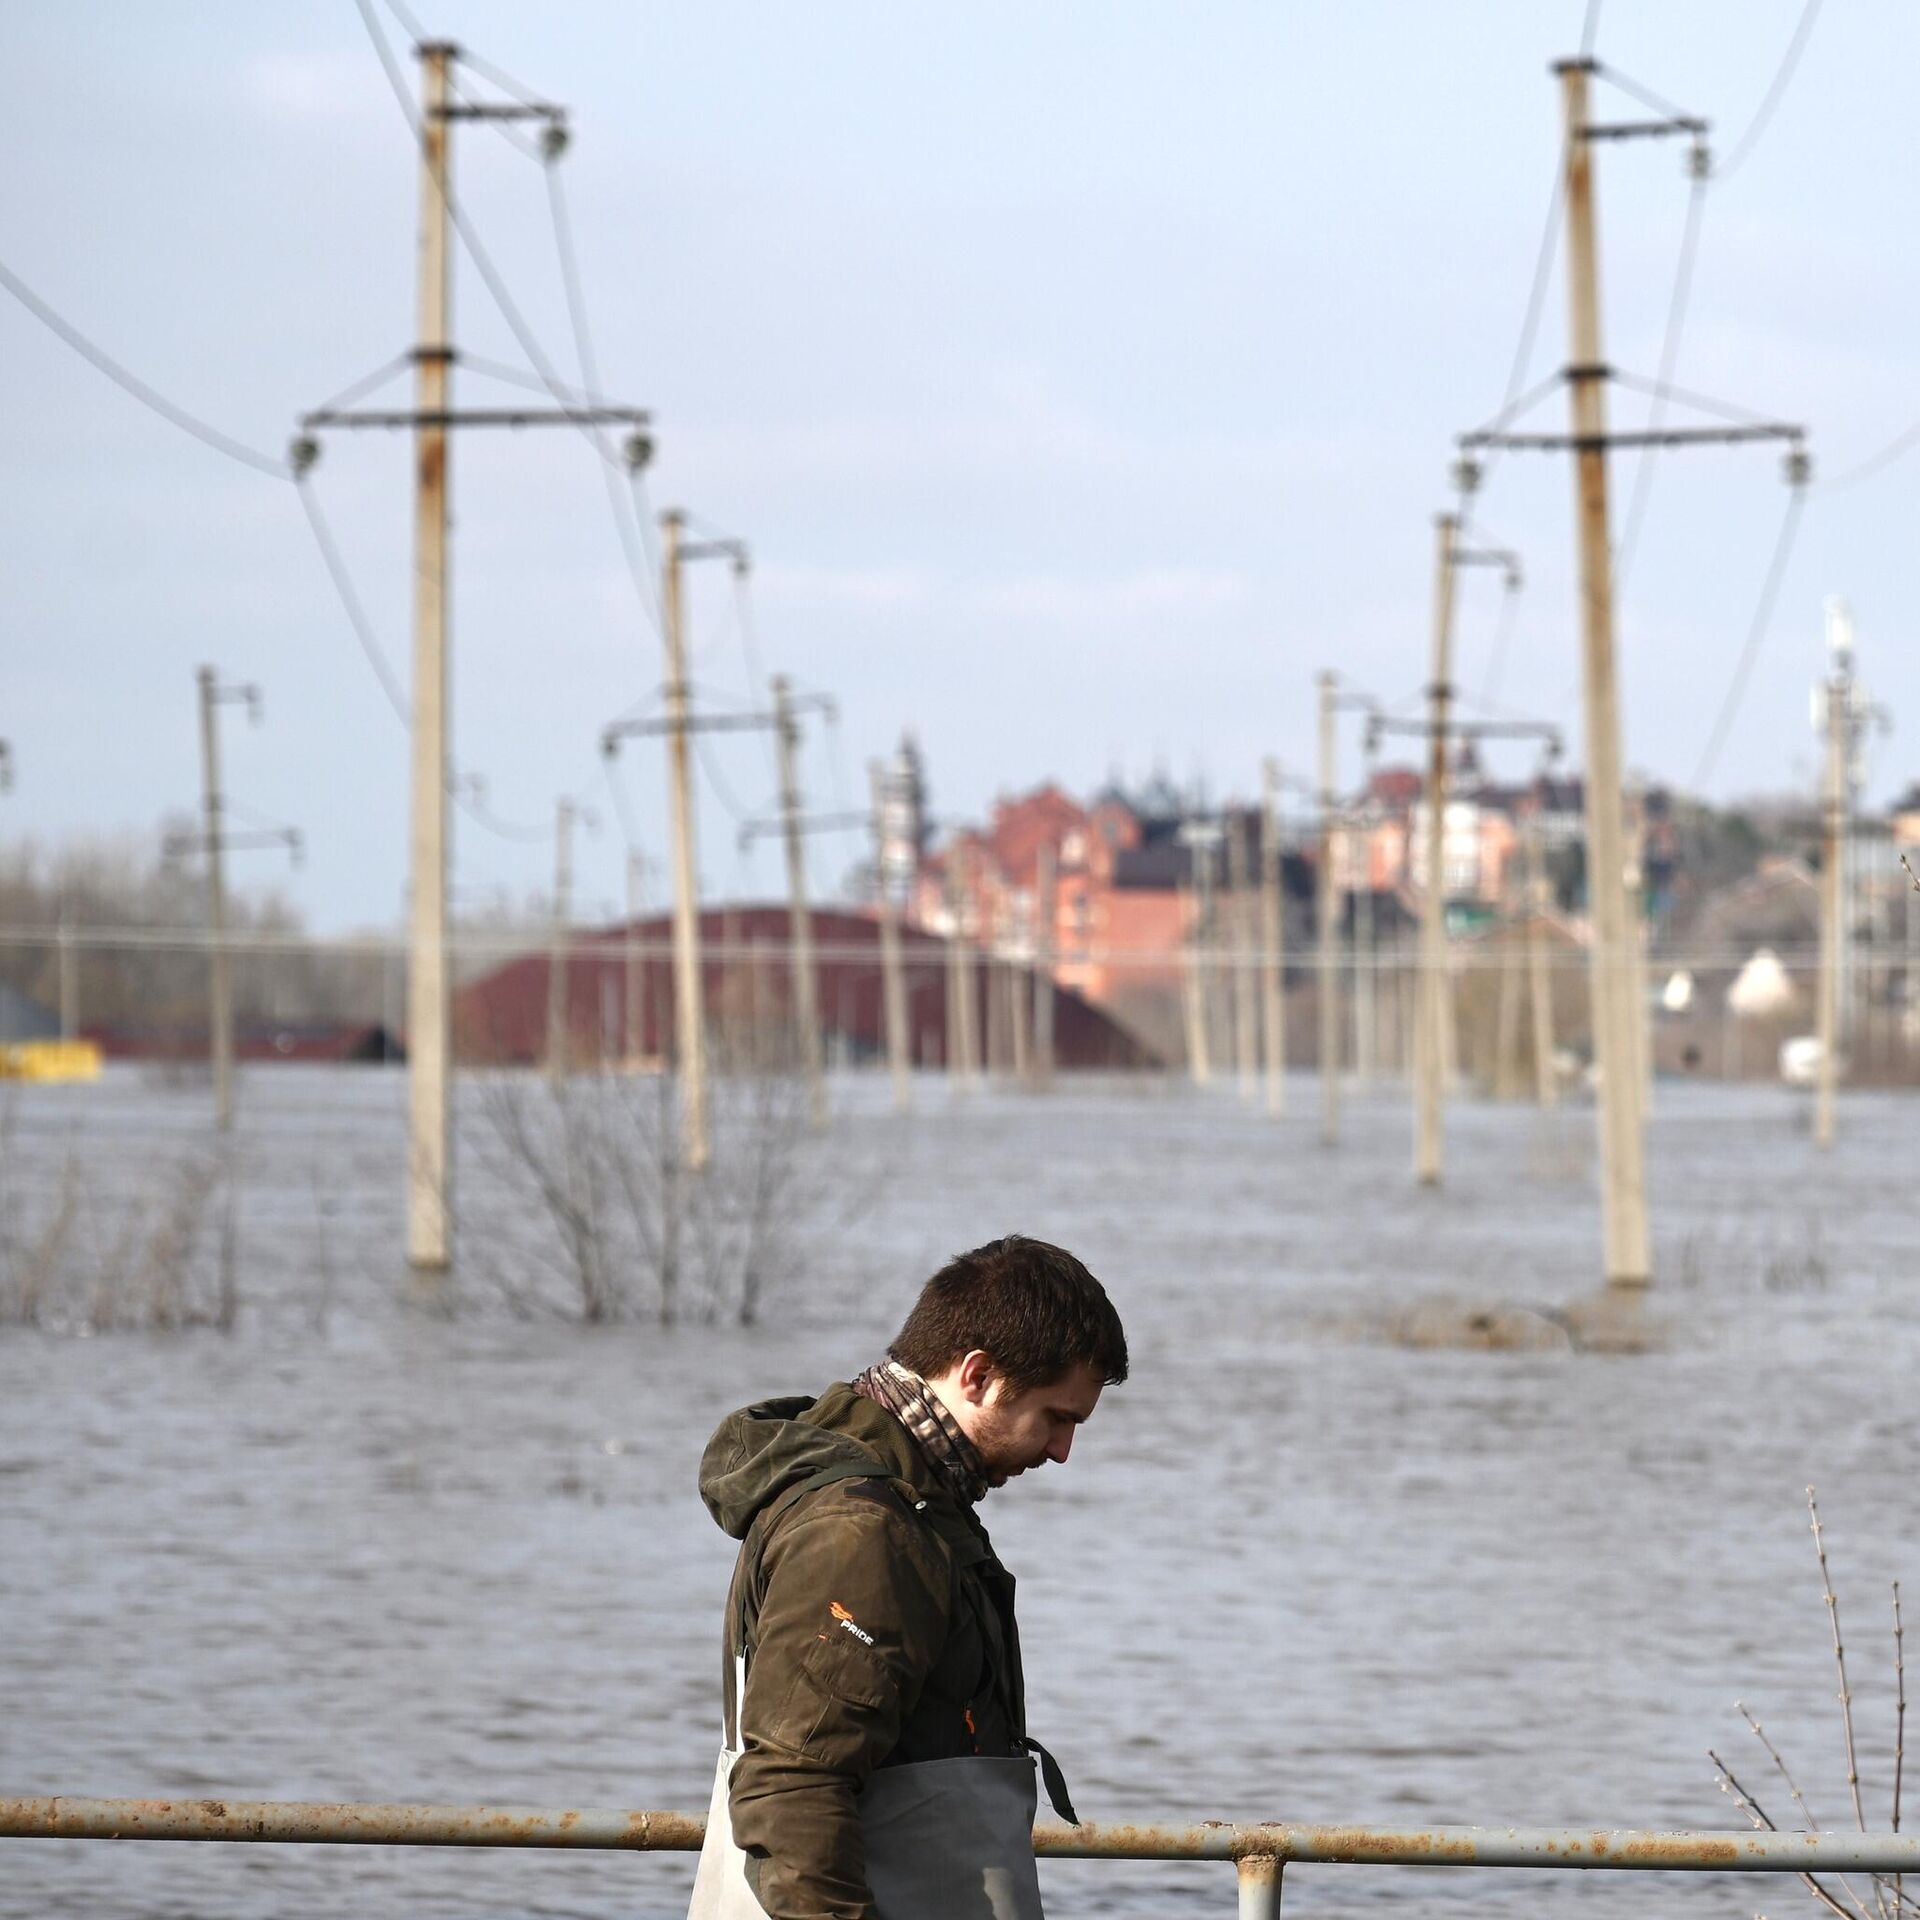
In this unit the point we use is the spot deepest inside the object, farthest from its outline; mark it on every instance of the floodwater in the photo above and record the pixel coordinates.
(1293, 1570)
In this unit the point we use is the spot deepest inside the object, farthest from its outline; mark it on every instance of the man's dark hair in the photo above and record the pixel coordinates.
(1032, 1306)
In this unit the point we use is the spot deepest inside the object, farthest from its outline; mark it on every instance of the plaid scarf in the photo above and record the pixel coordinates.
(917, 1407)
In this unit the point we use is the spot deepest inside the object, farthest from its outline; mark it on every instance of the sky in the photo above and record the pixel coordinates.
(1083, 378)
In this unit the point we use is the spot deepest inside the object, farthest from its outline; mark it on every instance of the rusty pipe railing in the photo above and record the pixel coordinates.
(1260, 1852)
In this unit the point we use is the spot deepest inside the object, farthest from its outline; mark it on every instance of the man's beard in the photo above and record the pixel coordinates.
(1000, 1452)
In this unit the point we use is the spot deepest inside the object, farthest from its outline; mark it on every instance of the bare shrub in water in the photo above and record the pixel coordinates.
(611, 1226)
(1886, 1897)
(160, 1259)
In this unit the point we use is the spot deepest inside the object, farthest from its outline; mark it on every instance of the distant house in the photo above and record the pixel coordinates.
(618, 996)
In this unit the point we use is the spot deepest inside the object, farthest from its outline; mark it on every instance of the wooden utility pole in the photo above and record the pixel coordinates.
(1046, 910)
(557, 983)
(1835, 795)
(1246, 1018)
(429, 1015)
(806, 988)
(893, 988)
(1329, 907)
(689, 994)
(220, 987)
(1273, 944)
(1628, 1254)
(1436, 990)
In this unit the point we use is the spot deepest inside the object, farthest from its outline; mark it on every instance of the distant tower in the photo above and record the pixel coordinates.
(904, 824)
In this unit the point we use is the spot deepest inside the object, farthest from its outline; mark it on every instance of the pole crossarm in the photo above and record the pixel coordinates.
(393, 418)
(1645, 129)
(611, 736)
(178, 843)
(1467, 730)
(753, 830)
(1636, 437)
(500, 110)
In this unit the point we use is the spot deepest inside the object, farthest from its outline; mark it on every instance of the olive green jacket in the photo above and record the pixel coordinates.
(878, 1628)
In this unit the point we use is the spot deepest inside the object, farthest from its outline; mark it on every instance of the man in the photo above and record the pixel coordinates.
(877, 1764)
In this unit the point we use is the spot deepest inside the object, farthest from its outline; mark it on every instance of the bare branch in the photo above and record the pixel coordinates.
(1754, 1812)
(1760, 1734)
(1840, 1661)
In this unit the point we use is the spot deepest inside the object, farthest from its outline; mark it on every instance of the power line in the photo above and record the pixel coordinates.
(355, 608)
(622, 806)
(1750, 652)
(1782, 78)
(1899, 445)
(462, 791)
(1669, 354)
(1497, 652)
(727, 797)
(1516, 400)
(132, 384)
(631, 524)
(509, 310)
(1653, 102)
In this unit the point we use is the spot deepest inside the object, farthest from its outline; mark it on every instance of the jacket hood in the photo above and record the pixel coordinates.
(755, 1455)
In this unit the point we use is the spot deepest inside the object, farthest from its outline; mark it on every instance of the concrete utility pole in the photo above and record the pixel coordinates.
(1537, 978)
(1436, 990)
(429, 1014)
(1273, 944)
(1366, 1009)
(557, 943)
(1329, 907)
(1246, 1037)
(806, 989)
(689, 1002)
(215, 841)
(1636, 884)
(1020, 1019)
(636, 1014)
(963, 1036)
(220, 986)
(429, 1031)
(1628, 1254)
(893, 986)
(1837, 697)
(1046, 911)
(1628, 1261)
(1199, 837)
(69, 976)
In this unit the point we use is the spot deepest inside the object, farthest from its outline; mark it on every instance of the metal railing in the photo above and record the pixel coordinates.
(1259, 1853)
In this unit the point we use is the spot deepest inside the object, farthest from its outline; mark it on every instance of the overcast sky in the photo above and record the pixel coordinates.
(1084, 377)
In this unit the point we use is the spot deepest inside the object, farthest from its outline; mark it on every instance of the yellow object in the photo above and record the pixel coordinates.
(47, 1061)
